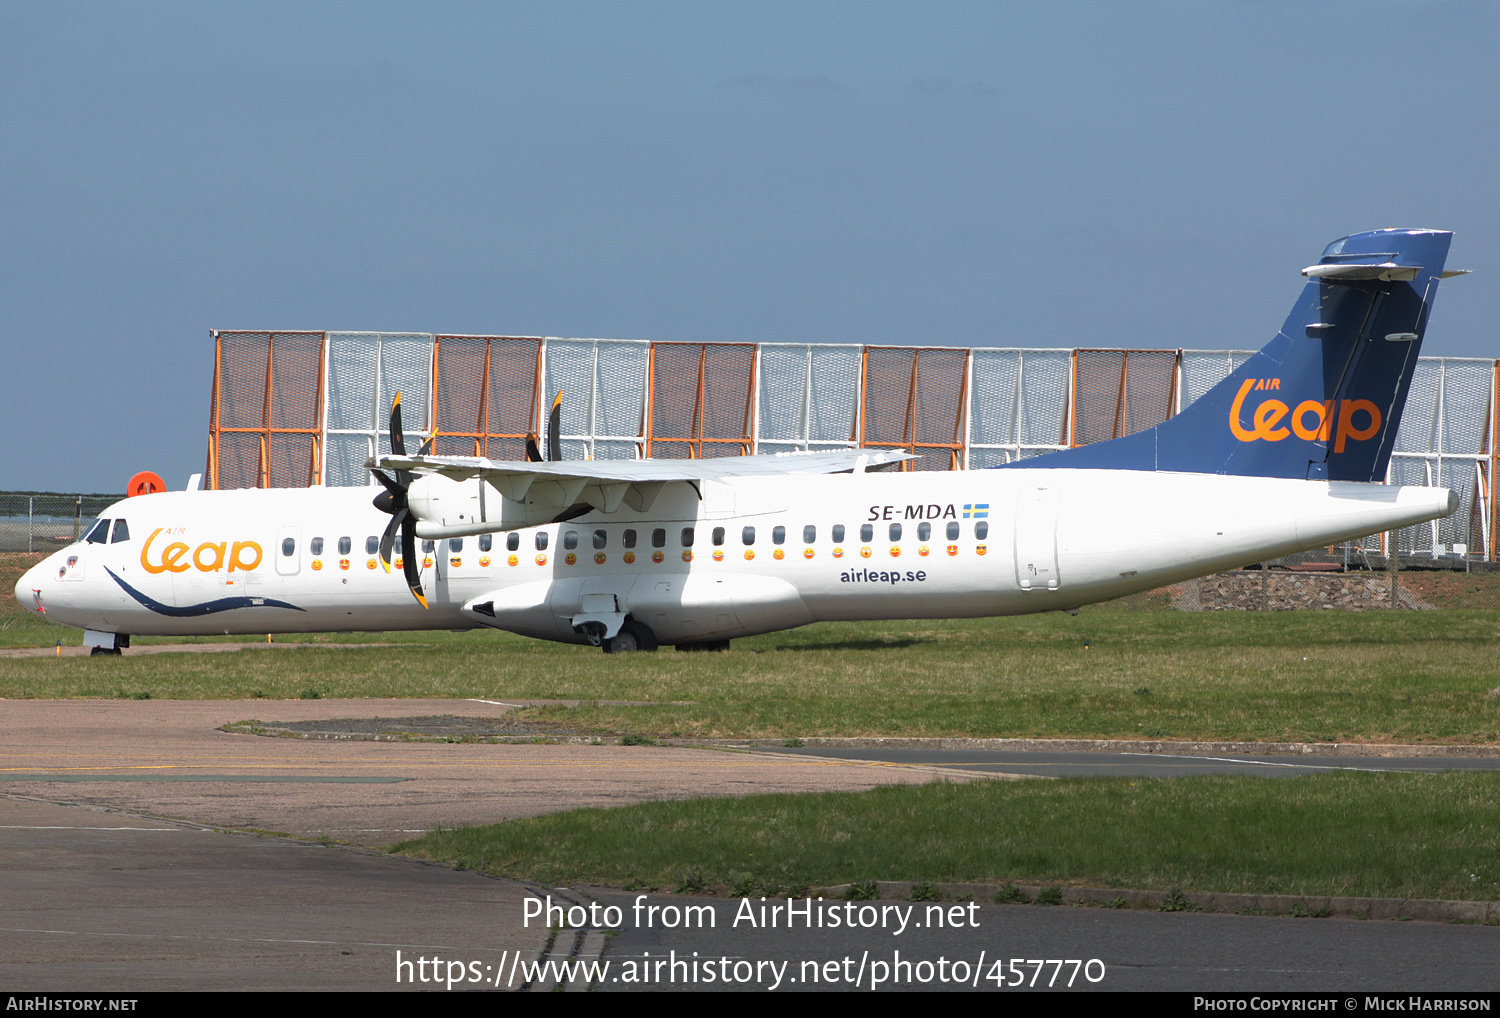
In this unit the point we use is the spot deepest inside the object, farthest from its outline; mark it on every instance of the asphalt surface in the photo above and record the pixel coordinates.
(116, 872)
(1135, 765)
(99, 900)
(119, 873)
(1130, 950)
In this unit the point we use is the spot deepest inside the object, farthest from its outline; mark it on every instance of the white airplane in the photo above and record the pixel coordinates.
(1282, 456)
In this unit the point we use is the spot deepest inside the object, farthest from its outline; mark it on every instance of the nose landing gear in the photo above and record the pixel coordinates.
(105, 643)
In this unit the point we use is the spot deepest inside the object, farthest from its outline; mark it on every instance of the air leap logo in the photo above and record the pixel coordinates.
(1311, 421)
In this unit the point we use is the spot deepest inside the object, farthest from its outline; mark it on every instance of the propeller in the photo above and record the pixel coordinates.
(554, 437)
(393, 500)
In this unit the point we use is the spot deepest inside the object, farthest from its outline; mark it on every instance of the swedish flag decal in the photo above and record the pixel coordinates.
(976, 510)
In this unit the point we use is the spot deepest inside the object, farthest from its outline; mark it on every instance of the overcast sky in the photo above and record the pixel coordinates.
(987, 174)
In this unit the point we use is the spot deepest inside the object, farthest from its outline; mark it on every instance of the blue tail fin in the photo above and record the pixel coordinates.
(1323, 399)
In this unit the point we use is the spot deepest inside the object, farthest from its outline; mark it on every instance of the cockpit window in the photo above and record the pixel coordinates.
(98, 533)
(121, 532)
(1336, 248)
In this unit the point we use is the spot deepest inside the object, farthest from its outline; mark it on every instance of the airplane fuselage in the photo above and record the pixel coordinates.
(748, 556)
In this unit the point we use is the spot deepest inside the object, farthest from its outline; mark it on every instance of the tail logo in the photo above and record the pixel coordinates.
(1311, 421)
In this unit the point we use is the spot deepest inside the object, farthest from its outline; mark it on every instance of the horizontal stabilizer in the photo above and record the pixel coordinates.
(1388, 271)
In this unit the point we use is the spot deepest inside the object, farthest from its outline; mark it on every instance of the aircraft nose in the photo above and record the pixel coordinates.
(30, 582)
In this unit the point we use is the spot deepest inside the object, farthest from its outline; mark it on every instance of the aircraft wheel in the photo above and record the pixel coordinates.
(625, 642)
(632, 637)
(111, 651)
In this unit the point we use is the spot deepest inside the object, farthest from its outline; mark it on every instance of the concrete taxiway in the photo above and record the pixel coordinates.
(168, 758)
(120, 874)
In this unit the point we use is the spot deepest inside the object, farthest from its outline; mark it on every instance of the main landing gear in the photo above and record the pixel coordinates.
(633, 636)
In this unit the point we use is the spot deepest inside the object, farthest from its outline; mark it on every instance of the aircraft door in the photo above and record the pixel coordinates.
(1036, 539)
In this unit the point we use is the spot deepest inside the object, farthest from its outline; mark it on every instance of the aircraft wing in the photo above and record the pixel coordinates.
(604, 484)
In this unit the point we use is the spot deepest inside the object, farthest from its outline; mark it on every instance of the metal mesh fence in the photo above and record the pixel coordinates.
(266, 426)
(809, 397)
(1121, 392)
(484, 395)
(603, 385)
(701, 400)
(1019, 405)
(365, 371)
(914, 400)
(1201, 370)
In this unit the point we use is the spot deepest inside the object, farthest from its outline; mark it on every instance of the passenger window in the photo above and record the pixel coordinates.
(981, 530)
(809, 535)
(748, 535)
(601, 538)
(372, 545)
(838, 533)
(98, 533)
(455, 545)
(122, 532)
(658, 538)
(867, 533)
(718, 536)
(778, 535)
(398, 544)
(687, 537)
(344, 545)
(428, 547)
(895, 531)
(628, 539)
(288, 547)
(512, 541)
(570, 539)
(924, 531)
(541, 540)
(316, 546)
(952, 531)
(486, 542)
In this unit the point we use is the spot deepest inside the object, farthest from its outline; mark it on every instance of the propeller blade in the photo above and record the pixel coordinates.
(533, 451)
(426, 446)
(393, 500)
(410, 563)
(388, 539)
(398, 437)
(554, 430)
(391, 486)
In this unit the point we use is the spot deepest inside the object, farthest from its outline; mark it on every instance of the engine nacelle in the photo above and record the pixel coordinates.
(446, 508)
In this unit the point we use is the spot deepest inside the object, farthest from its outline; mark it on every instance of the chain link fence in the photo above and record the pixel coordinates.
(46, 521)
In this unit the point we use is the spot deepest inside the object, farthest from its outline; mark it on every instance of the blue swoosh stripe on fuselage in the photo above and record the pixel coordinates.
(223, 604)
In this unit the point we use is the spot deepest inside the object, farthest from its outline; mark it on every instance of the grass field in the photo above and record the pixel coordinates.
(1377, 835)
(1107, 673)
